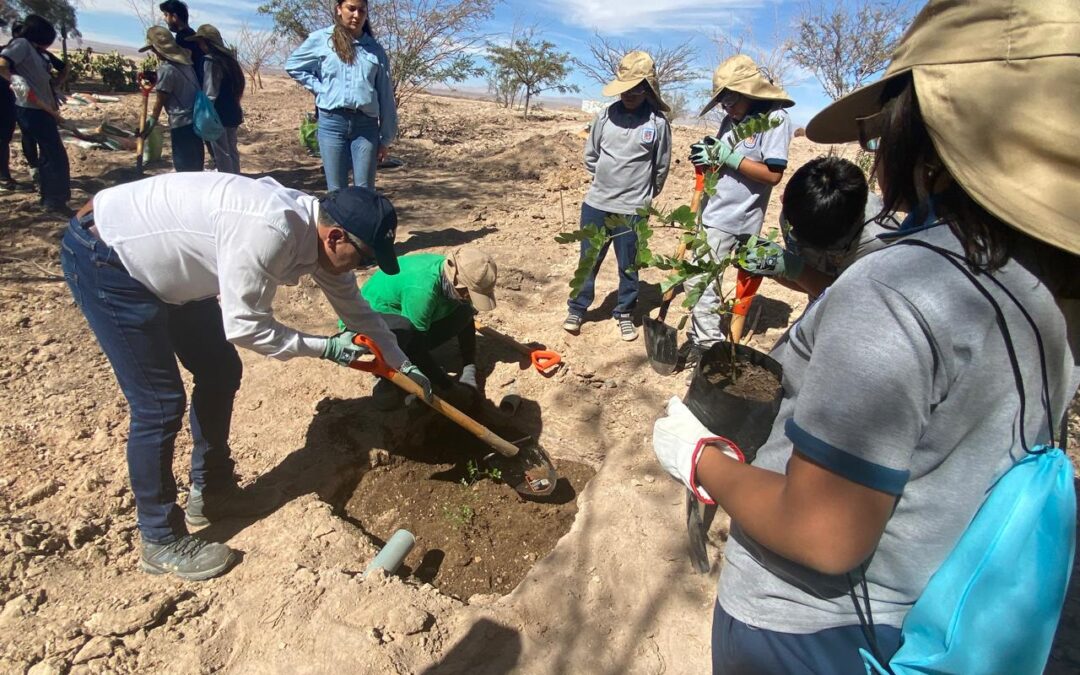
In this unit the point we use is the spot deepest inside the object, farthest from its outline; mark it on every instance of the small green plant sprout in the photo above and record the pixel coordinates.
(703, 268)
(474, 473)
(459, 516)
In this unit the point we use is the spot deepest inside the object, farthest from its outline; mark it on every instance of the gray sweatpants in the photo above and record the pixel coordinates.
(226, 155)
(705, 323)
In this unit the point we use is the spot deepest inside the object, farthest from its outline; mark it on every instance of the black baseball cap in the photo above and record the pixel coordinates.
(367, 217)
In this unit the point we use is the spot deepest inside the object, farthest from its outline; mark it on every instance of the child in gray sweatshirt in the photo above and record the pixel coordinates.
(628, 153)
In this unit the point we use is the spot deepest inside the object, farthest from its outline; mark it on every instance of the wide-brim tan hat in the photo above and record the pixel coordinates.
(473, 269)
(164, 44)
(634, 68)
(212, 35)
(740, 74)
(997, 84)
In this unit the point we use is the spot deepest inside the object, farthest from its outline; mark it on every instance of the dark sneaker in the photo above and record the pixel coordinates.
(205, 507)
(188, 557)
(627, 331)
(8, 185)
(691, 353)
(387, 396)
(572, 324)
(57, 208)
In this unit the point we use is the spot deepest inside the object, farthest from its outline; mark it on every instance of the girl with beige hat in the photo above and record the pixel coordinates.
(176, 87)
(628, 152)
(747, 173)
(904, 388)
(223, 83)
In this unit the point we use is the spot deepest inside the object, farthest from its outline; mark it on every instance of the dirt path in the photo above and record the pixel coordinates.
(616, 595)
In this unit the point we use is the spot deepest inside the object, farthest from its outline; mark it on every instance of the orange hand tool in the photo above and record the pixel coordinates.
(545, 361)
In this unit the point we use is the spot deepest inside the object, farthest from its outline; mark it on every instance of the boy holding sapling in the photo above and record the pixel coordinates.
(830, 220)
(746, 173)
(627, 153)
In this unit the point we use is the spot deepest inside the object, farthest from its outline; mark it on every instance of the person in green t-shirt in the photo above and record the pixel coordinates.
(432, 300)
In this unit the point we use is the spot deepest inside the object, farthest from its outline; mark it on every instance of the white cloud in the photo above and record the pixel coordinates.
(627, 16)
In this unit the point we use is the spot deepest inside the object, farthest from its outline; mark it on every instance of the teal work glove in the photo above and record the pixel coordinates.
(148, 127)
(341, 350)
(764, 258)
(711, 151)
(418, 377)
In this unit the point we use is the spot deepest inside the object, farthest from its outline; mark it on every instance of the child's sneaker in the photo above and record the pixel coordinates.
(627, 331)
(572, 324)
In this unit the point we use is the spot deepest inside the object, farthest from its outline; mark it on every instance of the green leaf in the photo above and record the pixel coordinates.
(683, 216)
(711, 179)
(670, 282)
(682, 322)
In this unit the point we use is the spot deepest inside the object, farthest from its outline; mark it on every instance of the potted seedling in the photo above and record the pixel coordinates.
(735, 390)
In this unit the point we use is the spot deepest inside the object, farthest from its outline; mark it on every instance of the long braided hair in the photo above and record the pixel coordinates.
(343, 40)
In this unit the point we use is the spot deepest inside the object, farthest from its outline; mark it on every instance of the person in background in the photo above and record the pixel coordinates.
(748, 170)
(829, 220)
(901, 406)
(176, 88)
(223, 82)
(7, 132)
(38, 112)
(175, 15)
(628, 153)
(348, 71)
(432, 300)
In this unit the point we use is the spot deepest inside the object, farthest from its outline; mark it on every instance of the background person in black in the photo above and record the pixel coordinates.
(175, 15)
(223, 83)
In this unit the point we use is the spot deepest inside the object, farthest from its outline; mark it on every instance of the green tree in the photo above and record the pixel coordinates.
(534, 64)
(428, 41)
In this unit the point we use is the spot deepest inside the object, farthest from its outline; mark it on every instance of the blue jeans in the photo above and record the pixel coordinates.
(54, 172)
(625, 243)
(741, 649)
(347, 140)
(142, 338)
(187, 149)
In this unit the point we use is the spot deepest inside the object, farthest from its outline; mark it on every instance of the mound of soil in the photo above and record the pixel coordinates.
(474, 533)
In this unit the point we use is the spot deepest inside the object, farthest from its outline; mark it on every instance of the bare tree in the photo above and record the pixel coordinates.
(773, 60)
(428, 41)
(846, 42)
(674, 65)
(146, 12)
(255, 50)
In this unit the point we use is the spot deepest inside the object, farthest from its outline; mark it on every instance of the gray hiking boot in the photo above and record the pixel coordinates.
(188, 557)
(204, 507)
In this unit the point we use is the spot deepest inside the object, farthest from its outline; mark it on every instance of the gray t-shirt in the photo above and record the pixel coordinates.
(179, 82)
(833, 262)
(32, 66)
(628, 154)
(898, 379)
(738, 207)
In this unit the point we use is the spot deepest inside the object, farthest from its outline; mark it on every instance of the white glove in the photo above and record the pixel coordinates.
(678, 440)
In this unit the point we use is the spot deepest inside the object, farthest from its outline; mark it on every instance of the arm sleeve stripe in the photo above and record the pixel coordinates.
(846, 465)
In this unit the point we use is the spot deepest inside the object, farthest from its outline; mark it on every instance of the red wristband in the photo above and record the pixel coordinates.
(698, 449)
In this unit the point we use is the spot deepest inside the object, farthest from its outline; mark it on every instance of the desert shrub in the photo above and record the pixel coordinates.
(117, 72)
(82, 65)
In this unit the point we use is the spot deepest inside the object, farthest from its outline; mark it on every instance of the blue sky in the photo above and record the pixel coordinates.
(568, 23)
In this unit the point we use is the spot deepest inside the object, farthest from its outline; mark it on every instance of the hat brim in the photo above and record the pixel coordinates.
(617, 87)
(483, 302)
(386, 257)
(715, 100)
(836, 123)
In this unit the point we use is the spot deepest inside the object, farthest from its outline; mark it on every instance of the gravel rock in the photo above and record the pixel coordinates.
(128, 620)
(96, 648)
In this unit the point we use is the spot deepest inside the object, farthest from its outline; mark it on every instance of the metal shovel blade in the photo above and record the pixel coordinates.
(530, 472)
(698, 533)
(661, 345)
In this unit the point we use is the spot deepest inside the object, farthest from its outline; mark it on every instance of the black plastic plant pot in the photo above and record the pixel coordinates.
(746, 422)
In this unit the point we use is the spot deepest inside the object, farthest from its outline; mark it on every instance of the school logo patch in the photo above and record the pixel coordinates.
(648, 134)
(751, 142)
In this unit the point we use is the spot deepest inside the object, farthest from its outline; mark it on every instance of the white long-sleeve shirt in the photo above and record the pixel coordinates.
(191, 236)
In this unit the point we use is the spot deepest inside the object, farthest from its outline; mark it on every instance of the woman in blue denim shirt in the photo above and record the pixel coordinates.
(347, 70)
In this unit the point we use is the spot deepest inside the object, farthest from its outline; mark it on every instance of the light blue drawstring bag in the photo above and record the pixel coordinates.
(993, 605)
(207, 123)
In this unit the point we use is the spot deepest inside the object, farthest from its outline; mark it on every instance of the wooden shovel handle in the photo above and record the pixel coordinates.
(377, 365)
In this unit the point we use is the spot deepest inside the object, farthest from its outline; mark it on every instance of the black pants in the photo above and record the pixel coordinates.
(187, 149)
(54, 172)
(7, 131)
(418, 345)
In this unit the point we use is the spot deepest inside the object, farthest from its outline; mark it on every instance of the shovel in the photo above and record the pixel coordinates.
(531, 475)
(746, 287)
(146, 83)
(662, 340)
(543, 360)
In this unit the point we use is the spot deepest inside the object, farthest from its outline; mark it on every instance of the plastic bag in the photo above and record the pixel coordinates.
(153, 145)
(207, 123)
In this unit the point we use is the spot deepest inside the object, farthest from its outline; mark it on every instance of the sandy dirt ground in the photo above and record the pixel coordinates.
(617, 594)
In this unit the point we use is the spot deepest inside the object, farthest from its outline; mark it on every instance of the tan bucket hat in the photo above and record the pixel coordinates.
(997, 84)
(213, 36)
(634, 68)
(162, 42)
(741, 74)
(475, 270)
